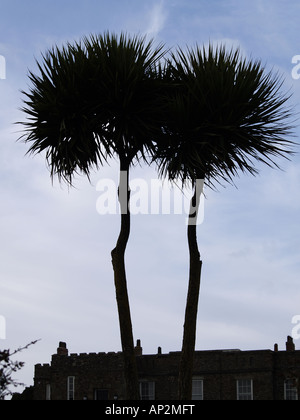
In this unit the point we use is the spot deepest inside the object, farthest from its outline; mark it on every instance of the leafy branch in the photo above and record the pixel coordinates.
(8, 368)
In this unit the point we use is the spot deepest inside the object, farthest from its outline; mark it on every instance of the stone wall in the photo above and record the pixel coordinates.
(220, 370)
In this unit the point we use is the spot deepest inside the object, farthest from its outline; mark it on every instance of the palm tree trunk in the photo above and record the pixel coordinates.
(118, 262)
(190, 325)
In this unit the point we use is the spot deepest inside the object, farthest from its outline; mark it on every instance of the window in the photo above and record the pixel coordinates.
(71, 388)
(290, 390)
(245, 390)
(197, 393)
(147, 390)
(48, 392)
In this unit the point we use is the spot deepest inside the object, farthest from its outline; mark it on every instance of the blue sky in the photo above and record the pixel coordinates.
(56, 281)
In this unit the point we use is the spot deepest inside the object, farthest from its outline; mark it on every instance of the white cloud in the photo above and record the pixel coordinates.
(157, 19)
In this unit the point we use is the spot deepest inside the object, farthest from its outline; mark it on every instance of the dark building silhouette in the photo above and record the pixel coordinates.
(218, 375)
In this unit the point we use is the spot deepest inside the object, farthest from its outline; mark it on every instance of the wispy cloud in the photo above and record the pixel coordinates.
(157, 19)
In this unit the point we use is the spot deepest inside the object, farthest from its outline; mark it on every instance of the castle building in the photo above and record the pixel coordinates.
(218, 375)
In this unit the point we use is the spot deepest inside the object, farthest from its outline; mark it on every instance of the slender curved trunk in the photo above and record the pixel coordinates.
(185, 380)
(118, 262)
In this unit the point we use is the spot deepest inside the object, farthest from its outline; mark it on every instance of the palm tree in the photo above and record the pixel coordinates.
(224, 114)
(92, 101)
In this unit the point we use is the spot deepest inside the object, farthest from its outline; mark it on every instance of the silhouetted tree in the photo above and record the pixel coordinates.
(7, 368)
(224, 114)
(92, 101)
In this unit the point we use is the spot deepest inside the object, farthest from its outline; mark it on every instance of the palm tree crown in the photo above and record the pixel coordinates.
(225, 113)
(92, 100)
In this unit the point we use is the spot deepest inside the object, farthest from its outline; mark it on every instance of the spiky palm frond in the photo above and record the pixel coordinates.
(59, 107)
(130, 87)
(92, 100)
(225, 114)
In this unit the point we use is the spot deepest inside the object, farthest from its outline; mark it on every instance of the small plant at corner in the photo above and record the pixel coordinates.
(7, 368)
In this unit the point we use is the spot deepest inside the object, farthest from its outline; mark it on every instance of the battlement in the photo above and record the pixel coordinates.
(101, 375)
